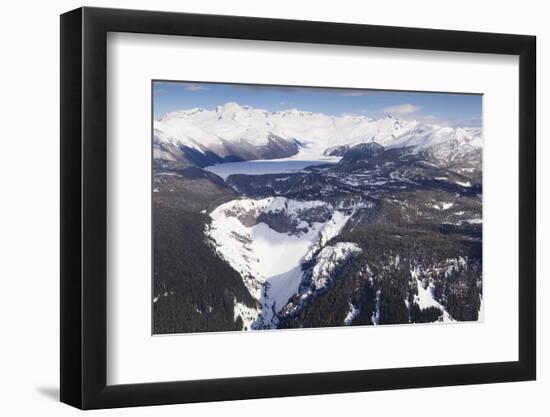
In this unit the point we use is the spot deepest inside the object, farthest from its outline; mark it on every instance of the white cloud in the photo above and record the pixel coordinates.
(402, 109)
(195, 87)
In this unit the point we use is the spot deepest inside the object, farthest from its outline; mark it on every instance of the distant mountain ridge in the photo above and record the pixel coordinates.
(233, 132)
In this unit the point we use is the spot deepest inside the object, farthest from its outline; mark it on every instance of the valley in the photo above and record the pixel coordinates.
(384, 229)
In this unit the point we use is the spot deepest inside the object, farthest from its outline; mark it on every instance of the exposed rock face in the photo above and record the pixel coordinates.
(362, 152)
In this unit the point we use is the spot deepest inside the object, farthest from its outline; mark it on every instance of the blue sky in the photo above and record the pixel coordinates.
(452, 109)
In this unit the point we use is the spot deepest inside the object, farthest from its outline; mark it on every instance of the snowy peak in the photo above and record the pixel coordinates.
(233, 110)
(230, 107)
(243, 132)
(179, 114)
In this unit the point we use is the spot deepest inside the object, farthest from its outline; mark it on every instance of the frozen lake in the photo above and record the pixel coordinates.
(267, 166)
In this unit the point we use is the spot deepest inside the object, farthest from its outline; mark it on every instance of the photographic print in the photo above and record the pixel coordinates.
(284, 207)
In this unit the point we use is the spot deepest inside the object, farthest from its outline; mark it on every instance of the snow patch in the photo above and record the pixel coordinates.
(352, 313)
(442, 206)
(247, 314)
(425, 297)
(329, 259)
(464, 184)
(375, 318)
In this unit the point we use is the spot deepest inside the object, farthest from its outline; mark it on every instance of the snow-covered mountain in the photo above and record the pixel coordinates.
(268, 240)
(234, 132)
(288, 252)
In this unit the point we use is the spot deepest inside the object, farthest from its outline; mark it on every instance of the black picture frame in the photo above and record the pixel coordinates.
(84, 207)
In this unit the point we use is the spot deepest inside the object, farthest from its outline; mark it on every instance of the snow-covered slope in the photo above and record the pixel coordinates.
(248, 133)
(267, 240)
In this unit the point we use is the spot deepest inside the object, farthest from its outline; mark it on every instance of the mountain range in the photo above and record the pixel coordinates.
(232, 132)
